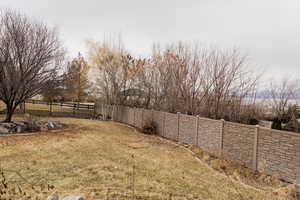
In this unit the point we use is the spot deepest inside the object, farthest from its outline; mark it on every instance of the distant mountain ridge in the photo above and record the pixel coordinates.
(266, 94)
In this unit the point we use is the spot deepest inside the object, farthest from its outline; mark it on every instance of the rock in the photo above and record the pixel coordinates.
(51, 125)
(33, 126)
(21, 126)
(44, 127)
(19, 129)
(29, 126)
(8, 125)
(4, 130)
(57, 124)
(73, 197)
(53, 197)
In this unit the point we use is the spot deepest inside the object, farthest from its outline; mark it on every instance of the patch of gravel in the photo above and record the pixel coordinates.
(17, 127)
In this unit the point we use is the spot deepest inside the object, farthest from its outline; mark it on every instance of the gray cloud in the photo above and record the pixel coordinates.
(268, 30)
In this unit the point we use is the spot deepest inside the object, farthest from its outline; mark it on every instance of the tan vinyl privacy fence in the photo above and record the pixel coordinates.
(274, 152)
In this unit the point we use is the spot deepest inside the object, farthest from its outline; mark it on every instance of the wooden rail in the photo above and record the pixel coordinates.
(63, 104)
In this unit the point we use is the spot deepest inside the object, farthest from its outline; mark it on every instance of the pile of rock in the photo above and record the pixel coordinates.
(29, 126)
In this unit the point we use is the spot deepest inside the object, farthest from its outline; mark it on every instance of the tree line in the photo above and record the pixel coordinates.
(181, 77)
(192, 79)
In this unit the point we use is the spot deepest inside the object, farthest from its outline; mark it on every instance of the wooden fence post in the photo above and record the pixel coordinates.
(255, 146)
(94, 111)
(74, 107)
(51, 108)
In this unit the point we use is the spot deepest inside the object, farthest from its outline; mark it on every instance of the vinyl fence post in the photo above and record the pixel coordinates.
(256, 134)
(222, 136)
(178, 118)
(164, 125)
(117, 113)
(134, 116)
(113, 113)
(197, 129)
(142, 124)
(152, 115)
(102, 111)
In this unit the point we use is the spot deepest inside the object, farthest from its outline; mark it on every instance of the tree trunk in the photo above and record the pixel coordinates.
(9, 113)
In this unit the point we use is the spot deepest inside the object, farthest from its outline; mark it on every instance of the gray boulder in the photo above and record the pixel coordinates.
(8, 125)
(53, 197)
(73, 197)
(21, 126)
(3, 130)
(51, 125)
(57, 124)
(29, 126)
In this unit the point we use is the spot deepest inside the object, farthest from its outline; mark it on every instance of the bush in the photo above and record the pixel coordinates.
(277, 124)
(293, 126)
(150, 127)
(253, 121)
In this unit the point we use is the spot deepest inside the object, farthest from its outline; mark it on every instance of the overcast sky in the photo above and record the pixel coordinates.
(267, 30)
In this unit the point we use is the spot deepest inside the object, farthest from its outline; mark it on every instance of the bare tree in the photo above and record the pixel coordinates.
(29, 53)
(281, 95)
(185, 78)
(115, 69)
(197, 80)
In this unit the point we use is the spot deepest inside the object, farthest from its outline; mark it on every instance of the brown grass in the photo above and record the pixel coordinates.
(107, 160)
(238, 171)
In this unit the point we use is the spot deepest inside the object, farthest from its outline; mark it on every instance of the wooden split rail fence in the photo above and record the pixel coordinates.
(63, 109)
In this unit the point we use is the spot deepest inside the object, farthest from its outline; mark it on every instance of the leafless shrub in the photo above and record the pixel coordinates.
(9, 191)
(281, 96)
(149, 127)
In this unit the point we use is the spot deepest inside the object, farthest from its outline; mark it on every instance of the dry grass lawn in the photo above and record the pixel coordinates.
(107, 160)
